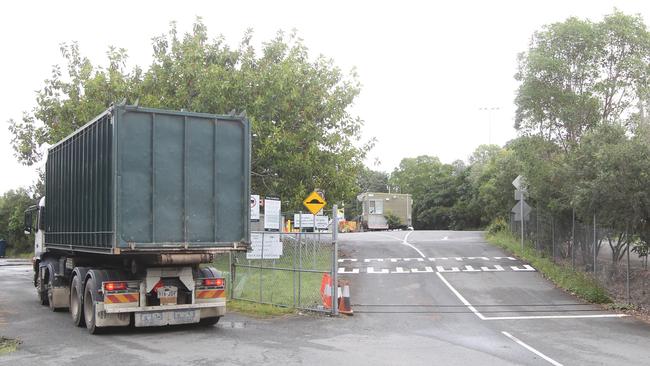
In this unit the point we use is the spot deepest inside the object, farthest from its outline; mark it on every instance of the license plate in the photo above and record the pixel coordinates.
(167, 291)
(171, 317)
(167, 295)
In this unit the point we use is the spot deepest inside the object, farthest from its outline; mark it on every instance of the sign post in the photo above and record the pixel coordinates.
(523, 210)
(314, 202)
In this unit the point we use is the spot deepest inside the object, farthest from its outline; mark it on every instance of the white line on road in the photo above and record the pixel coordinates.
(482, 317)
(531, 349)
(405, 242)
(445, 238)
(460, 297)
(555, 317)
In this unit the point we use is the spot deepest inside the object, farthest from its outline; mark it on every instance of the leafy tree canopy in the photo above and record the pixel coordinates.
(303, 135)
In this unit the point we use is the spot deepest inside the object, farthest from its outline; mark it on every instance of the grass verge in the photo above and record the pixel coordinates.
(257, 310)
(578, 283)
(8, 345)
(18, 255)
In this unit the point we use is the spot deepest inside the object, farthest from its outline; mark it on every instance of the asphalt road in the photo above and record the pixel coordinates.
(436, 298)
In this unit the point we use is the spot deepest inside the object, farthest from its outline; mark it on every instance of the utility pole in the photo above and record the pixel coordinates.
(489, 110)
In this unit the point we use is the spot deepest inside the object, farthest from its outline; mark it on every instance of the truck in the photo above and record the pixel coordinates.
(377, 205)
(137, 202)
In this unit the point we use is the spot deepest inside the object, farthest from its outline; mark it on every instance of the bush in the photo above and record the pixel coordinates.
(497, 225)
(393, 221)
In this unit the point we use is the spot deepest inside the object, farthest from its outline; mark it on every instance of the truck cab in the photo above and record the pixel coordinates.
(35, 223)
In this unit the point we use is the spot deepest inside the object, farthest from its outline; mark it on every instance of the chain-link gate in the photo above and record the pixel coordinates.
(288, 268)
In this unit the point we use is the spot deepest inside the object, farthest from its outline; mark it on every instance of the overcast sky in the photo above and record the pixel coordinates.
(426, 68)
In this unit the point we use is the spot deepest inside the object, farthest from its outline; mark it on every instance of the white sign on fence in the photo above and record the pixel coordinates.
(265, 246)
(255, 207)
(306, 221)
(322, 222)
(272, 208)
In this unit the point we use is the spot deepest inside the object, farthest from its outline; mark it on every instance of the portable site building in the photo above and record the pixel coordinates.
(377, 205)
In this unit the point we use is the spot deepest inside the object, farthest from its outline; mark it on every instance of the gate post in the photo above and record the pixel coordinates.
(335, 261)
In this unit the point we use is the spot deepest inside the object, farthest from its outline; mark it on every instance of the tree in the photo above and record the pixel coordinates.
(578, 74)
(614, 170)
(372, 181)
(303, 135)
(415, 175)
(13, 204)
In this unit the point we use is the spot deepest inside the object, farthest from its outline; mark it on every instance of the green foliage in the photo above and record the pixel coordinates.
(578, 74)
(497, 225)
(393, 221)
(582, 114)
(579, 283)
(13, 204)
(372, 181)
(458, 196)
(8, 345)
(303, 135)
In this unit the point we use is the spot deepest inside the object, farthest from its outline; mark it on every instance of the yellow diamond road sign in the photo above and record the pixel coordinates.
(314, 202)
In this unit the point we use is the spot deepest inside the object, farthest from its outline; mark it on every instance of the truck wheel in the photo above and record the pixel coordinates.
(76, 301)
(42, 293)
(89, 307)
(210, 321)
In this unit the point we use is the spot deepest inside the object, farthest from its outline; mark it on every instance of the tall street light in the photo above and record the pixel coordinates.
(489, 110)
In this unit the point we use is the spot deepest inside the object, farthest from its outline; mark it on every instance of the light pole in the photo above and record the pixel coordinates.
(489, 110)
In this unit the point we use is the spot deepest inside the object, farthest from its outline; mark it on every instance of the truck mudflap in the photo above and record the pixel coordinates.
(60, 297)
(105, 319)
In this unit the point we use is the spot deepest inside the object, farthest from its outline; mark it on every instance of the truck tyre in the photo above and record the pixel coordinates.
(76, 302)
(90, 294)
(210, 321)
(41, 290)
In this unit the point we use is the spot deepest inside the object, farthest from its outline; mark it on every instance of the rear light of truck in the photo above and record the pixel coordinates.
(213, 282)
(115, 286)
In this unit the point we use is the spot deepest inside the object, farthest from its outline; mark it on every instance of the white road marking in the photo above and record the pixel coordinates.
(526, 268)
(471, 269)
(460, 297)
(426, 269)
(497, 268)
(442, 269)
(445, 238)
(342, 270)
(422, 259)
(556, 317)
(405, 242)
(482, 317)
(372, 270)
(531, 349)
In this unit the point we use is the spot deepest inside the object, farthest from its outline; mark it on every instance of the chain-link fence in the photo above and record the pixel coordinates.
(618, 261)
(287, 268)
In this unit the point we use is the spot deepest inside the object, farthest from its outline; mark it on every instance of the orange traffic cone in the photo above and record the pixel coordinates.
(326, 291)
(344, 301)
